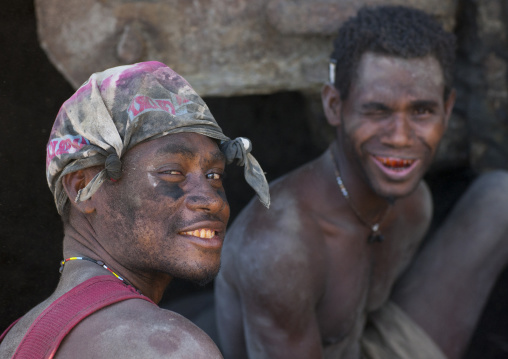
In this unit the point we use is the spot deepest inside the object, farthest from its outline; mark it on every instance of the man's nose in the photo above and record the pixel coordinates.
(204, 197)
(399, 132)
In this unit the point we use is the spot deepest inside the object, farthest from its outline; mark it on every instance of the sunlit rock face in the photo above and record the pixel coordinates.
(223, 47)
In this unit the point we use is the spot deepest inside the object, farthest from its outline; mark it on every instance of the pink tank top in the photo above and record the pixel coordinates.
(49, 329)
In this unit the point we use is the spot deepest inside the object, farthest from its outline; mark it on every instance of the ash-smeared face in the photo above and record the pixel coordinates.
(168, 213)
(393, 120)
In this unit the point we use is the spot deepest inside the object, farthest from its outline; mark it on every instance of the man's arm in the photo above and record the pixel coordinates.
(281, 324)
(277, 272)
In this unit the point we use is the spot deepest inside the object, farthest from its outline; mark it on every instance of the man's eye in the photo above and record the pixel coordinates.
(377, 113)
(171, 172)
(215, 176)
(422, 111)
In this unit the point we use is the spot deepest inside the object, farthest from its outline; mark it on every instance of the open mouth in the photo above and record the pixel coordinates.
(395, 164)
(201, 233)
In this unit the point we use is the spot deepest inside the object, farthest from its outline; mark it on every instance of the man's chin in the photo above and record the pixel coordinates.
(203, 276)
(204, 281)
(398, 191)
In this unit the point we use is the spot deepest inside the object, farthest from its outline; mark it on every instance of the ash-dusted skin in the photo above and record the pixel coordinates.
(300, 280)
(144, 227)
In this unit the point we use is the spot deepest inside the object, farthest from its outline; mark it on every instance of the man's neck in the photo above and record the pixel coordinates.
(361, 195)
(81, 244)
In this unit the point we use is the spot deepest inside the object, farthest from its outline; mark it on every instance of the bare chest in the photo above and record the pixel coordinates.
(360, 277)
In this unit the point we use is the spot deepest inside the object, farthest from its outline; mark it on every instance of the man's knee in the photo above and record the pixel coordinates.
(491, 186)
(485, 207)
(485, 203)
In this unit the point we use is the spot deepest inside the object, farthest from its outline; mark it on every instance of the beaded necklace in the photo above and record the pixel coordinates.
(101, 263)
(375, 235)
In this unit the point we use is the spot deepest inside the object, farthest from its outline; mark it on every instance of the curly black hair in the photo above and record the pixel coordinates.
(392, 30)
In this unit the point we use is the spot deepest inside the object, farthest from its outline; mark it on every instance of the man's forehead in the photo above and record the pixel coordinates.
(186, 144)
(388, 77)
(373, 65)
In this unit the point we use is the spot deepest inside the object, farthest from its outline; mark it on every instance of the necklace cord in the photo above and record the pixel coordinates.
(100, 263)
(376, 235)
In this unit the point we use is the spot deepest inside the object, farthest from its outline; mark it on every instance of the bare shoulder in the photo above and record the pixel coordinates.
(265, 248)
(137, 329)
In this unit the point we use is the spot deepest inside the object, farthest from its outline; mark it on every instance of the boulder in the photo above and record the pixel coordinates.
(222, 47)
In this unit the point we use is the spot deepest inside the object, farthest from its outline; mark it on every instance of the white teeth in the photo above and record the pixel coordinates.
(201, 233)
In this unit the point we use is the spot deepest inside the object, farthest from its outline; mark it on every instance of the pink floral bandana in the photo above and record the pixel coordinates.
(118, 108)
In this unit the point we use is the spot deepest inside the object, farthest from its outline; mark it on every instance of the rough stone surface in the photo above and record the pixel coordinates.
(223, 47)
(324, 17)
(483, 77)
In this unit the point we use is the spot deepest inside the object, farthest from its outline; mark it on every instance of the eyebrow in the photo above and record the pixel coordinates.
(424, 103)
(176, 148)
(376, 106)
(182, 149)
(218, 155)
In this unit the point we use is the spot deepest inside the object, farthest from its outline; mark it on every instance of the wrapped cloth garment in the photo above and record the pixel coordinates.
(116, 109)
(391, 334)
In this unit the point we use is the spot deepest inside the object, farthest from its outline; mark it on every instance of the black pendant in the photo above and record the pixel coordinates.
(376, 237)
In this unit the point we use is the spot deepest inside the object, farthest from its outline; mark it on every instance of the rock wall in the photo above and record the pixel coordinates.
(482, 80)
(222, 47)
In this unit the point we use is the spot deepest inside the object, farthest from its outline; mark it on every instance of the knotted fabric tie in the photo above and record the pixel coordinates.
(112, 170)
(239, 149)
(114, 167)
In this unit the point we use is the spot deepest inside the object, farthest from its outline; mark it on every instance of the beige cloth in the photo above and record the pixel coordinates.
(391, 334)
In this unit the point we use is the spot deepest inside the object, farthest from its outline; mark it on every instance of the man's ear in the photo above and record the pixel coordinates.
(72, 183)
(332, 104)
(450, 101)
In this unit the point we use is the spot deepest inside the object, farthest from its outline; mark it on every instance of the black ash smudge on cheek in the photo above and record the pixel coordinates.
(222, 195)
(172, 190)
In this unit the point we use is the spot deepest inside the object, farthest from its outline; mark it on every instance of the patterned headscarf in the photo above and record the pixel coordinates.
(118, 108)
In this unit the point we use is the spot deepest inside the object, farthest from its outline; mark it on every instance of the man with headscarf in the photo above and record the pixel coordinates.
(135, 161)
(332, 269)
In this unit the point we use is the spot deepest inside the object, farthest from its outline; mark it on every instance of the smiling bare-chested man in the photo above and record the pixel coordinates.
(135, 161)
(332, 269)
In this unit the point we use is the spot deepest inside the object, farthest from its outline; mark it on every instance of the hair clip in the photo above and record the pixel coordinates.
(331, 70)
